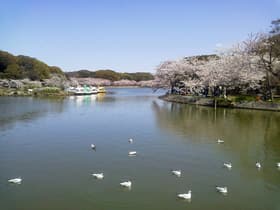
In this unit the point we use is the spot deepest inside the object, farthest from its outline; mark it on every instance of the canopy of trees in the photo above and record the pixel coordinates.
(112, 75)
(251, 65)
(19, 67)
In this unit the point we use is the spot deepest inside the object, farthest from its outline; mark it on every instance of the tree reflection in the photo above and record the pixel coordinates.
(15, 110)
(248, 134)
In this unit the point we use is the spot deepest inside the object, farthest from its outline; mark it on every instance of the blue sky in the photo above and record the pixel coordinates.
(127, 35)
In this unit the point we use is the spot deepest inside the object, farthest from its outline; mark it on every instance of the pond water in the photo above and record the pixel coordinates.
(47, 143)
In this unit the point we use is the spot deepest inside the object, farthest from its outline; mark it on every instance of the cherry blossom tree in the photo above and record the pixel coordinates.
(170, 73)
(245, 66)
(232, 68)
(266, 47)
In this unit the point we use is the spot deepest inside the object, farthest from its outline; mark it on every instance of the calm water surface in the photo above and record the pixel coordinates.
(47, 143)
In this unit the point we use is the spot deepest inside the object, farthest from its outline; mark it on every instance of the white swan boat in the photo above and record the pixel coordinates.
(86, 90)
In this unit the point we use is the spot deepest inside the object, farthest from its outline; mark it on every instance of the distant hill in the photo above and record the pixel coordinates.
(111, 75)
(19, 67)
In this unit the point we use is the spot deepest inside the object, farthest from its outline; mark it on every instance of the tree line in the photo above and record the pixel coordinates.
(111, 75)
(19, 67)
(250, 67)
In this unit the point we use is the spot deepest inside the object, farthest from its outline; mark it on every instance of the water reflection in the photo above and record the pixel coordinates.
(167, 136)
(83, 100)
(27, 109)
(246, 125)
(101, 96)
(248, 134)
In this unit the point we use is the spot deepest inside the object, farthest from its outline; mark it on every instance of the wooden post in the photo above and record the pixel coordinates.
(215, 102)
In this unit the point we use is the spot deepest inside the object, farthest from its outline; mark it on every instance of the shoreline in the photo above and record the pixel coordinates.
(36, 92)
(46, 91)
(129, 86)
(221, 102)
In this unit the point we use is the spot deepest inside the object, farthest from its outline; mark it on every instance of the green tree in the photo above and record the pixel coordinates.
(41, 70)
(126, 76)
(108, 74)
(5, 60)
(33, 68)
(17, 67)
(13, 71)
(141, 76)
(55, 70)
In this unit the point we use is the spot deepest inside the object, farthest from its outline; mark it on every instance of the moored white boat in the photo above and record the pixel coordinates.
(86, 90)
